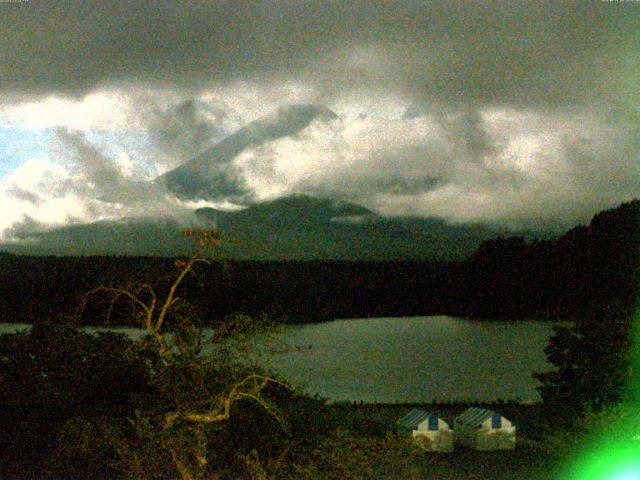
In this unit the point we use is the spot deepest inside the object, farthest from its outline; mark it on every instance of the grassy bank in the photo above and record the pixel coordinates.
(365, 445)
(347, 441)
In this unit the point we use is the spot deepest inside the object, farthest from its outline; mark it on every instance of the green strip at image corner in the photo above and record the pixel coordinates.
(609, 461)
(615, 454)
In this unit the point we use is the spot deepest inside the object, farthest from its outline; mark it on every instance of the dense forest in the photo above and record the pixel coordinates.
(506, 278)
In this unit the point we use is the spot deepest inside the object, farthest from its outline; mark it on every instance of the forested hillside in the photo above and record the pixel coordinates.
(505, 278)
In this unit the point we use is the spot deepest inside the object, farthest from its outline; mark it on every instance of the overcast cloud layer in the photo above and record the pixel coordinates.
(519, 113)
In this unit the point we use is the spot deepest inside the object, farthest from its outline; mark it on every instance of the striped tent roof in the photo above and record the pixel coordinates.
(415, 417)
(475, 416)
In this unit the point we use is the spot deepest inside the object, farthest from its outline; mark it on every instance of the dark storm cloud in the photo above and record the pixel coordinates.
(545, 53)
(25, 195)
(184, 130)
(468, 128)
(569, 69)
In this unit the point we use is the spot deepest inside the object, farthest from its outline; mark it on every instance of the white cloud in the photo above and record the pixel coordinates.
(42, 179)
(102, 110)
(244, 102)
(505, 165)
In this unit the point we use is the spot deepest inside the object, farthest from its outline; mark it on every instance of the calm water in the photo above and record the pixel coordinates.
(412, 359)
(416, 359)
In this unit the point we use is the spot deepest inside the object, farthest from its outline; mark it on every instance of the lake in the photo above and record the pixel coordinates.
(416, 359)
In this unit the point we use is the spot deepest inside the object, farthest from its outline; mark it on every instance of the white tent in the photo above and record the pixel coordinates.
(429, 431)
(482, 429)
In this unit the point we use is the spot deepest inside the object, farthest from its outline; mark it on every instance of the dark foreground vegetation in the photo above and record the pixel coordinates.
(172, 405)
(587, 268)
(79, 406)
(179, 405)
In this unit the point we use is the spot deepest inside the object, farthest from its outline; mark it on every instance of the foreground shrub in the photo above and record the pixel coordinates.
(54, 373)
(166, 406)
(348, 455)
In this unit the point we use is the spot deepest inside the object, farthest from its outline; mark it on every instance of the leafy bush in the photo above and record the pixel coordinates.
(176, 403)
(593, 364)
(55, 373)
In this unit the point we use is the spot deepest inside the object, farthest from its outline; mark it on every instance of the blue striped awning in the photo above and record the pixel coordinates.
(415, 417)
(475, 416)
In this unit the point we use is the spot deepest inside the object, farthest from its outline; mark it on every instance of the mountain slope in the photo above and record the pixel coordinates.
(296, 227)
(304, 227)
(211, 174)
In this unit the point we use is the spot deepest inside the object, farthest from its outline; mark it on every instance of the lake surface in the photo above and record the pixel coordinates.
(418, 359)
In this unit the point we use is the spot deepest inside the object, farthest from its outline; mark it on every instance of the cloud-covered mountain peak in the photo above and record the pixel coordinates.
(212, 175)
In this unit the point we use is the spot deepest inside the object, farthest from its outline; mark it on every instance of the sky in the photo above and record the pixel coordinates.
(522, 114)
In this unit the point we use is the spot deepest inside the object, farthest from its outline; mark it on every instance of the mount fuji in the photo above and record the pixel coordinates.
(293, 227)
(211, 175)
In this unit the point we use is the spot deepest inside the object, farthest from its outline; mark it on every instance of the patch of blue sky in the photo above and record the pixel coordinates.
(19, 144)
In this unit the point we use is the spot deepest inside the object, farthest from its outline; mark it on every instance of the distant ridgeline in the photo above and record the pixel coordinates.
(505, 278)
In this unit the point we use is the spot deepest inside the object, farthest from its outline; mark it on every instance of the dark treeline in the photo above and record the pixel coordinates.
(33, 288)
(505, 278)
(585, 269)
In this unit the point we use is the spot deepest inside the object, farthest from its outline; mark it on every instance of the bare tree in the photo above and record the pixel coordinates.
(192, 415)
